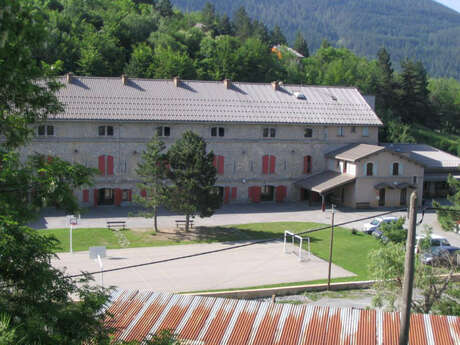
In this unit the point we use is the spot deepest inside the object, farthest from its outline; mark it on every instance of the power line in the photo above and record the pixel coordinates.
(229, 248)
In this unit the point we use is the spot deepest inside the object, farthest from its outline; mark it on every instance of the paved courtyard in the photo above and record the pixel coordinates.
(260, 264)
(255, 265)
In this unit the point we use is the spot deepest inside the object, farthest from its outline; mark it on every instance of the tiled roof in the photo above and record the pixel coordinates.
(354, 152)
(218, 321)
(325, 181)
(92, 98)
(426, 155)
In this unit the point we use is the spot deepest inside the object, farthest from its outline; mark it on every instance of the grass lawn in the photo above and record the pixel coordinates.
(350, 250)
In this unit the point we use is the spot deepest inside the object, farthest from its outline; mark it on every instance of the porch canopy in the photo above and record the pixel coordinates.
(325, 181)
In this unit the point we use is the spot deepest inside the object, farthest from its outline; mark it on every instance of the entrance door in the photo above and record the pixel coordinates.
(382, 197)
(106, 196)
(268, 193)
(403, 197)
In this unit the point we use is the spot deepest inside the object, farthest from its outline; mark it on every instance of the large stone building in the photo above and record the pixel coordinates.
(271, 141)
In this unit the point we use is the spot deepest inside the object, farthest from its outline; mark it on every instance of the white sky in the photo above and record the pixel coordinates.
(454, 4)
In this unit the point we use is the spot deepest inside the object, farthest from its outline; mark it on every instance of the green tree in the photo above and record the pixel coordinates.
(169, 63)
(165, 8)
(435, 288)
(242, 24)
(277, 36)
(394, 231)
(152, 170)
(224, 26)
(449, 219)
(385, 96)
(141, 63)
(301, 45)
(193, 177)
(36, 296)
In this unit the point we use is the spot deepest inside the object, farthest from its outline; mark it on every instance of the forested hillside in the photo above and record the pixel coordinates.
(419, 29)
(149, 39)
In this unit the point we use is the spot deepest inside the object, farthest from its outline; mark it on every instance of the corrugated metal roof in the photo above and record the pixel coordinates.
(428, 156)
(217, 321)
(91, 98)
(325, 181)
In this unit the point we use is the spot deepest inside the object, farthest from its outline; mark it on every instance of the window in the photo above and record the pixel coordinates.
(395, 169)
(344, 167)
(163, 131)
(217, 131)
(126, 195)
(369, 169)
(268, 164)
(308, 132)
(105, 131)
(269, 132)
(45, 130)
(365, 131)
(414, 179)
(353, 129)
(340, 131)
(105, 165)
(219, 164)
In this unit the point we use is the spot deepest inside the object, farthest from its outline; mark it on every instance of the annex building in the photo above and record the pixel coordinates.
(272, 142)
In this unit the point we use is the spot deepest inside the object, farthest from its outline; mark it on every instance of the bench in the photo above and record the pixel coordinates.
(116, 225)
(181, 223)
(363, 205)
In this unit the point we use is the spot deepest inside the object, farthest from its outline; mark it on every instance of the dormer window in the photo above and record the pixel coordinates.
(45, 130)
(269, 132)
(217, 131)
(395, 169)
(163, 131)
(105, 131)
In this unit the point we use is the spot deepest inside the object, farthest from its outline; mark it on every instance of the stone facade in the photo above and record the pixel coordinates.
(242, 148)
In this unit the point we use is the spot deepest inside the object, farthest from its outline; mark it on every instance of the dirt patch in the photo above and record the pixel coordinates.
(200, 233)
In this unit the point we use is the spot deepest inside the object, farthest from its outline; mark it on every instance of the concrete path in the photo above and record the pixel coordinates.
(261, 264)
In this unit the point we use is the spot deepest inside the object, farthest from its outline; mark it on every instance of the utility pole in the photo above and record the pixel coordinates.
(408, 272)
(330, 250)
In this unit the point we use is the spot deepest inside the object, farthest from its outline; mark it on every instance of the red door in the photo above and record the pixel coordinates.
(85, 195)
(280, 193)
(96, 196)
(234, 191)
(226, 195)
(117, 197)
(257, 191)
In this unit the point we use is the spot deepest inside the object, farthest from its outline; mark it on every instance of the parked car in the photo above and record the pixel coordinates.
(441, 255)
(435, 241)
(369, 228)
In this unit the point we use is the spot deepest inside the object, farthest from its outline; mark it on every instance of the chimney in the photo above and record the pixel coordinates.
(69, 77)
(275, 85)
(176, 81)
(227, 83)
(124, 79)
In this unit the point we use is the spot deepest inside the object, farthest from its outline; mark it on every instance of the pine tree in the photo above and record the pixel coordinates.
(277, 36)
(301, 45)
(193, 176)
(225, 26)
(242, 23)
(386, 97)
(209, 15)
(165, 8)
(152, 170)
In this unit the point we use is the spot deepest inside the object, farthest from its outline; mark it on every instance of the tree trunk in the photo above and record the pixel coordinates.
(187, 221)
(155, 218)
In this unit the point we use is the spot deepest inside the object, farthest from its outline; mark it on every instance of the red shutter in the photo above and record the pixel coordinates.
(109, 165)
(102, 165)
(85, 195)
(214, 162)
(272, 164)
(143, 193)
(96, 196)
(251, 193)
(257, 191)
(226, 195)
(307, 164)
(265, 164)
(220, 165)
(130, 195)
(280, 193)
(117, 197)
(234, 191)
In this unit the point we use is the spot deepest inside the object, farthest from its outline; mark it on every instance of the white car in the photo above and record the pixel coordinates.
(369, 228)
(436, 241)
